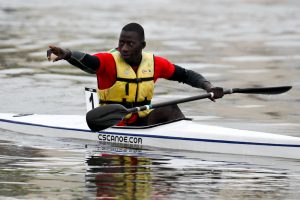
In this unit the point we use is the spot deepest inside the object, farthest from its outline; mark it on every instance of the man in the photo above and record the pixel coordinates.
(126, 75)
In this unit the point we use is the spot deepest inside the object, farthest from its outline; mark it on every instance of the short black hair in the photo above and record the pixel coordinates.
(135, 27)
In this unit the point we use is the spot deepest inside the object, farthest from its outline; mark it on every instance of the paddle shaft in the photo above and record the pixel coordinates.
(176, 101)
(263, 90)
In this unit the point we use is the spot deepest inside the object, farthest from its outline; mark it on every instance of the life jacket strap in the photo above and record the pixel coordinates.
(127, 104)
(135, 80)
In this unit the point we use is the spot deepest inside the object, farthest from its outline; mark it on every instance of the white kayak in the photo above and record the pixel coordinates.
(179, 135)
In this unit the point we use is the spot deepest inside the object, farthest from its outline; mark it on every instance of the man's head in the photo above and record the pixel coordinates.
(131, 43)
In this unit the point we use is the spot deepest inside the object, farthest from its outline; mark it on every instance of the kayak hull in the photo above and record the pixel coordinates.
(179, 135)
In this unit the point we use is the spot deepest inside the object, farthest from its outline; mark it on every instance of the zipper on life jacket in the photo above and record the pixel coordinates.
(137, 90)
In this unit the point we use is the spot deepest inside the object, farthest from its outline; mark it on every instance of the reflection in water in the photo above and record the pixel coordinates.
(122, 173)
(119, 176)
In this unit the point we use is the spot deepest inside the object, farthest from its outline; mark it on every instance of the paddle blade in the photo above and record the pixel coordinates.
(105, 116)
(264, 90)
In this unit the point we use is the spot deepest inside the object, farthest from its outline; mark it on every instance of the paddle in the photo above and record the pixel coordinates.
(109, 115)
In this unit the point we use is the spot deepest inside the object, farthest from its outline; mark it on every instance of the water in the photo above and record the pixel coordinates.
(234, 43)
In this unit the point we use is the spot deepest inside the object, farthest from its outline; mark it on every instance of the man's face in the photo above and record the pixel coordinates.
(131, 46)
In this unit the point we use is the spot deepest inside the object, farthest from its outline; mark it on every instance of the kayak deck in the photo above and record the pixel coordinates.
(181, 135)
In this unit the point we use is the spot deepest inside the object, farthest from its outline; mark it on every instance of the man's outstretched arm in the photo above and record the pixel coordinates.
(83, 61)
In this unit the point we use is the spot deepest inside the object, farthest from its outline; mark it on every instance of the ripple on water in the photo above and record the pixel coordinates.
(259, 58)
